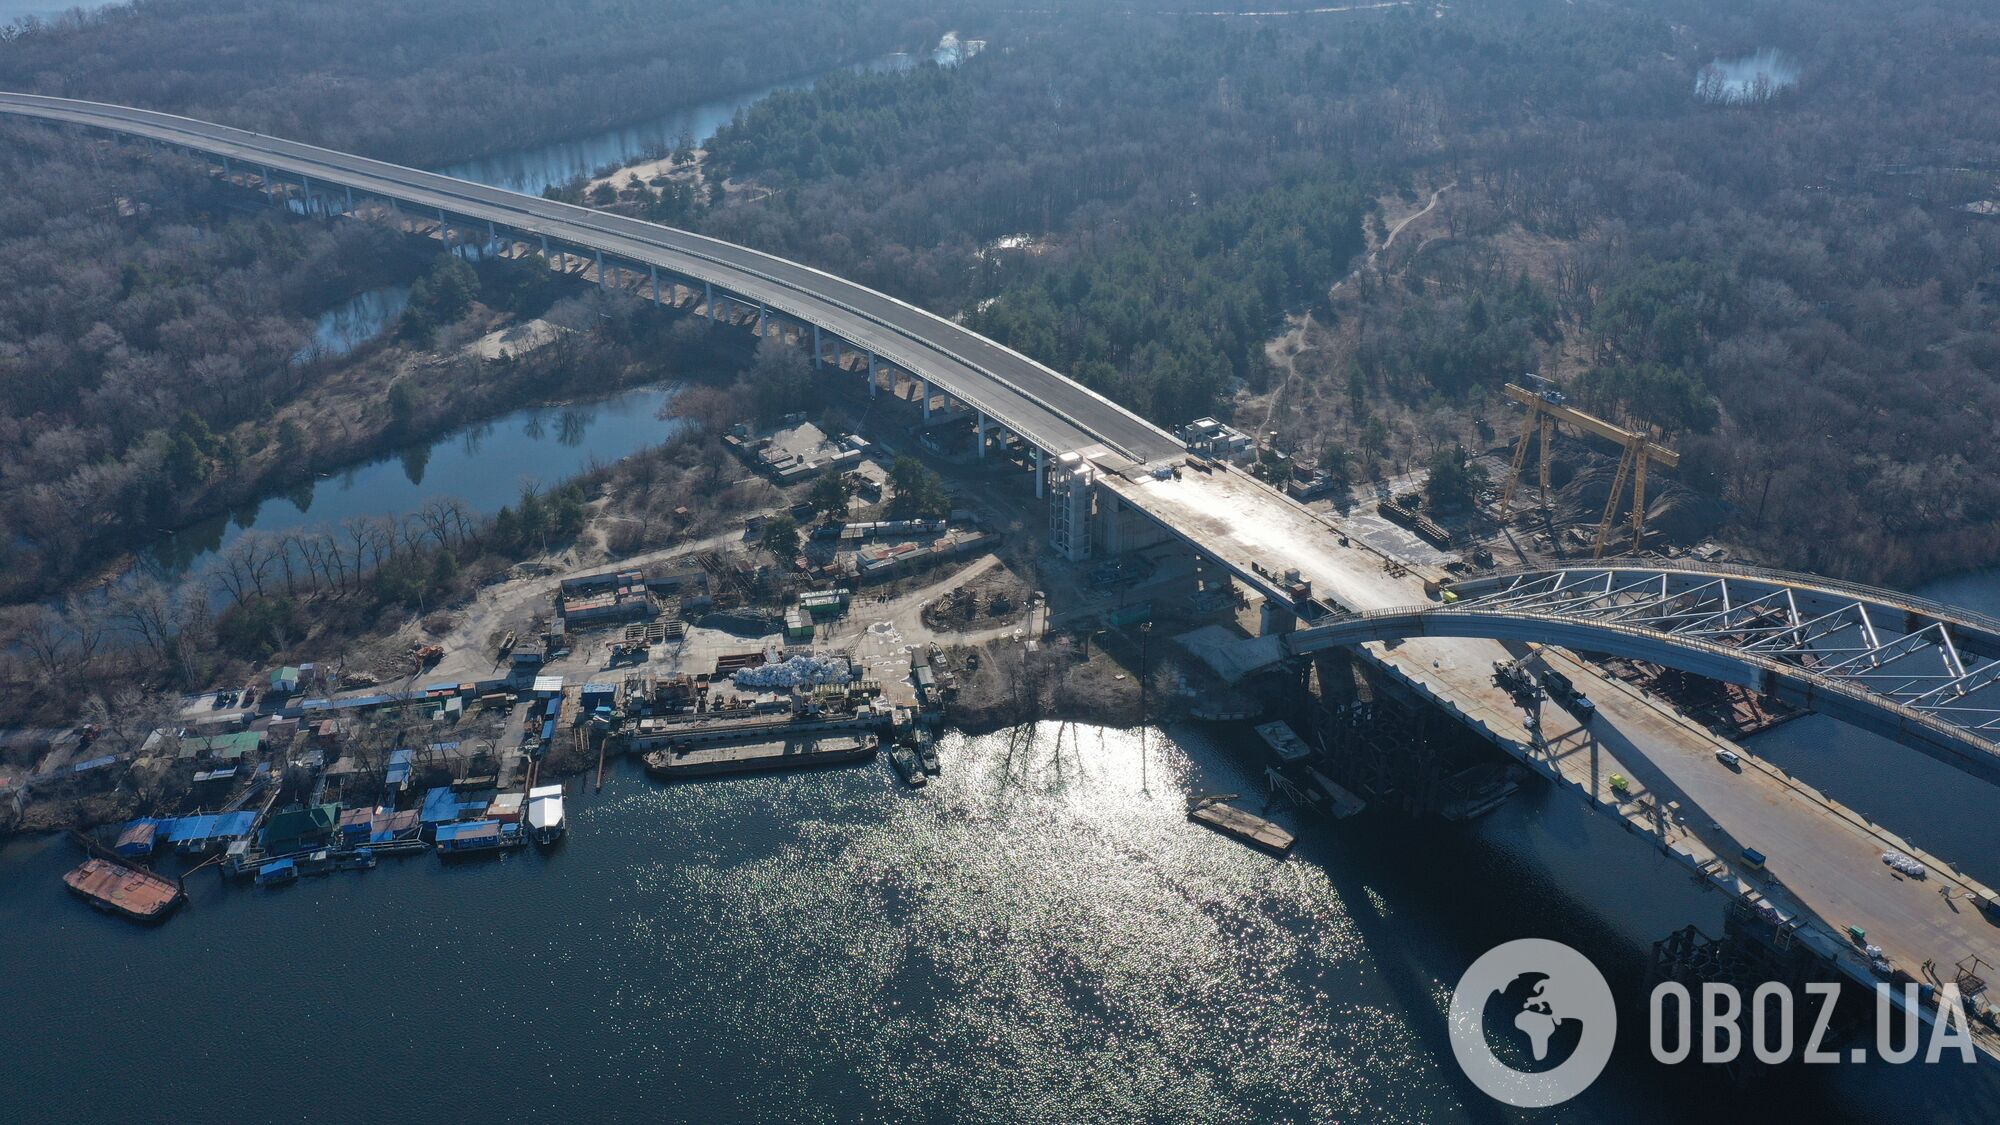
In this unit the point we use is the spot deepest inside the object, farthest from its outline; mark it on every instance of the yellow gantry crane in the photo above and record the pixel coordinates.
(1545, 408)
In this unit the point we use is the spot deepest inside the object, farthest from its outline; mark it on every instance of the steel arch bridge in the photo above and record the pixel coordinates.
(1925, 674)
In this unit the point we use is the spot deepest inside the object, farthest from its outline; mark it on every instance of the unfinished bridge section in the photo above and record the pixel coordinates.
(1925, 674)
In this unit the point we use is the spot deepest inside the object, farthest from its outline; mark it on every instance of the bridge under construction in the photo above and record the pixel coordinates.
(1915, 671)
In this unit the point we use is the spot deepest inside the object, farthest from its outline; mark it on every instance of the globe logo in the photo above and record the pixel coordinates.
(1532, 1023)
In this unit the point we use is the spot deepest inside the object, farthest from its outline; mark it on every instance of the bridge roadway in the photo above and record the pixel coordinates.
(1825, 861)
(1825, 866)
(1046, 409)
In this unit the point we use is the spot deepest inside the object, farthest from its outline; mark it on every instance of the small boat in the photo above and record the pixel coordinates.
(360, 859)
(546, 820)
(277, 873)
(908, 767)
(927, 753)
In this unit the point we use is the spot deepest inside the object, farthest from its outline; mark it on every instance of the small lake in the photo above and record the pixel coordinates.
(1747, 79)
(484, 464)
(354, 322)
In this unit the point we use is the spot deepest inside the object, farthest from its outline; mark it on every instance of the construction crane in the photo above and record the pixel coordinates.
(1546, 406)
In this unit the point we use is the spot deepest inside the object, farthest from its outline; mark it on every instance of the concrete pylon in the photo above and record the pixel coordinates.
(817, 354)
(1041, 471)
(982, 435)
(926, 385)
(871, 375)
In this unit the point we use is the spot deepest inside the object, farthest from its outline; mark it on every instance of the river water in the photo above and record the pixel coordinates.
(1041, 935)
(535, 170)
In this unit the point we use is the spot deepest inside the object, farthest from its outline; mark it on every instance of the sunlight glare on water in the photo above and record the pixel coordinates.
(1042, 929)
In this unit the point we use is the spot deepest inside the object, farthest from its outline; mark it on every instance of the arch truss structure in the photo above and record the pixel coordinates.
(1923, 673)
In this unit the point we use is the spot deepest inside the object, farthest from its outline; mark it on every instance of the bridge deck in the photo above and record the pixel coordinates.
(1825, 860)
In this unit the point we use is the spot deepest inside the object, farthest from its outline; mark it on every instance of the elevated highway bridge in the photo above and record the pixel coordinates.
(1923, 674)
(1925, 671)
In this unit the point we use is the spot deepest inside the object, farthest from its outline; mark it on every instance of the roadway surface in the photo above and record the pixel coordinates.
(1043, 407)
(1825, 861)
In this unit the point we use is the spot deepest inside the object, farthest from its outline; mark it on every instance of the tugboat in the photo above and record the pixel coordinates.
(909, 767)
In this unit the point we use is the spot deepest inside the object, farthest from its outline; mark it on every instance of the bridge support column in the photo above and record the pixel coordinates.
(654, 271)
(818, 356)
(1275, 619)
(1041, 471)
(871, 375)
(545, 251)
(926, 385)
(264, 175)
(982, 435)
(760, 320)
(350, 201)
(600, 267)
(305, 195)
(710, 291)
(225, 167)
(492, 237)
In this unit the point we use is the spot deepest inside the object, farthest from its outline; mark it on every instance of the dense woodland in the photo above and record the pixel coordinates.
(1789, 286)
(442, 80)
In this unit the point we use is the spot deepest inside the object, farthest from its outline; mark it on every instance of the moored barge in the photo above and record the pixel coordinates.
(128, 891)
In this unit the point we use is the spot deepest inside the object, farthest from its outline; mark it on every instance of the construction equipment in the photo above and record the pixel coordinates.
(1547, 406)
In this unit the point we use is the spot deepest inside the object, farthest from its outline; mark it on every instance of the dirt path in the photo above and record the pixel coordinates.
(1284, 349)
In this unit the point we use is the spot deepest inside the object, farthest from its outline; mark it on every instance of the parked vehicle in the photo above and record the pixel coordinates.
(1730, 758)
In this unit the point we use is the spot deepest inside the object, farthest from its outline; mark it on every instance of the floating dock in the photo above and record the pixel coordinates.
(1232, 821)
(117, 889)
(750, 757)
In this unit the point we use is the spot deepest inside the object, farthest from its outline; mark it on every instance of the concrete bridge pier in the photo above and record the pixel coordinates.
(818, 355)
(982, 435)
(872, 386)
(925, 385)
(350, 201)
(1041, 471)
(1274, 619)
(654, 273)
